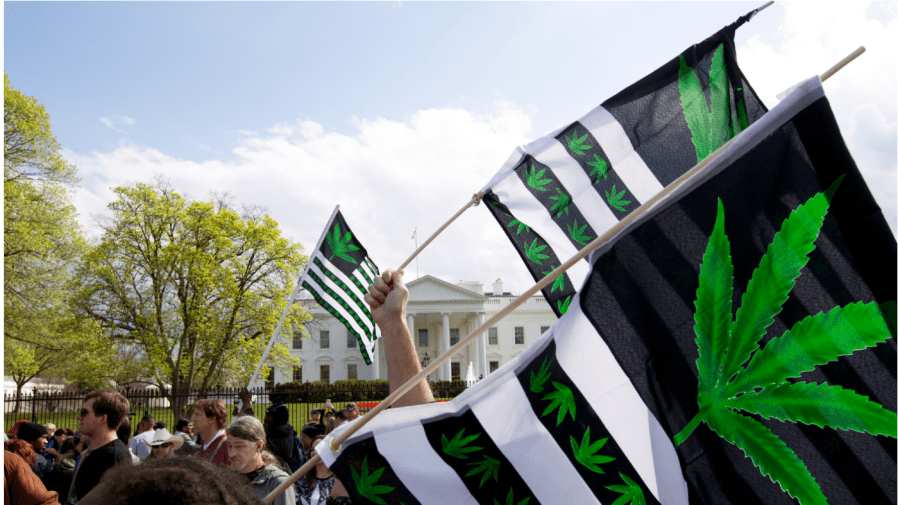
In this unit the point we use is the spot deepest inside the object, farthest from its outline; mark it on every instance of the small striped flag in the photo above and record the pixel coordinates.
(337, 276)
(556, 194)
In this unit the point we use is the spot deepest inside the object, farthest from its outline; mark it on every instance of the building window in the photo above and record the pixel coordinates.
(351, 342)
(543, 329)
(453, 336)
(326, 373)
(494, 336)
(269, 382)
(352, 372)
(494, 365)
(518, 335)
(456, 370)
(325, 339)
(297, 340)
(422, 338)
(297, 374)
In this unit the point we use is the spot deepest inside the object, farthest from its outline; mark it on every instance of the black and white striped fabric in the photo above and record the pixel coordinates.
(558, 193)
(337, 276)
(588, 412)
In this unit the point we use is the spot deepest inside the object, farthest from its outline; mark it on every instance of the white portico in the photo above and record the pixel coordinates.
(439, 314)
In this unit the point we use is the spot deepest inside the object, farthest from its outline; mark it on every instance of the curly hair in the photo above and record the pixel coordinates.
(185, 481)
(110, 403)
(22, 449)
(213, 408)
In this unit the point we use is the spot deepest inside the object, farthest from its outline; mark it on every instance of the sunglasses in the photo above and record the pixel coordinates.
(84, 412)
(163, 446)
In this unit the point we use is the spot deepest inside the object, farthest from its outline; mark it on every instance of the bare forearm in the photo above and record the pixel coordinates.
(403, 364)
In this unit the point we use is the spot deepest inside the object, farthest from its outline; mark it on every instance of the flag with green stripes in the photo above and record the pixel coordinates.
(558, 193)
(337, 276)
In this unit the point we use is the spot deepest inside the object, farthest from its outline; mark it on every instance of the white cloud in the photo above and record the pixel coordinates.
(388, 178)
(810, 40)
(111, 122)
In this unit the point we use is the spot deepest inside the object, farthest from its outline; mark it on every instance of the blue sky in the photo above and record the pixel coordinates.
(397, 111)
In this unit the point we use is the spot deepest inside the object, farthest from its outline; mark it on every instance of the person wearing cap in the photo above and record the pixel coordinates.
(353, 411)
(36, 435)
(164, 444)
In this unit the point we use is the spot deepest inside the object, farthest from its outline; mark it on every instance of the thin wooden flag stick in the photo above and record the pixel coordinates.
(336, 443)
(838, 66)
(474, 200)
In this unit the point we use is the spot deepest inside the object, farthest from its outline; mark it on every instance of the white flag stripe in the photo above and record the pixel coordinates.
(346, 280)
(368, 271)
(588, 361)
(418, 466)
(358, 275)
(672, 486)
(571, 175)
(527, 209)
(334, 303)
(511, 423)
(625, 161)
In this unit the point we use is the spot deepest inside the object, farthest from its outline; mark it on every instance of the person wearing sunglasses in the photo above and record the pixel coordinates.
(164, 444)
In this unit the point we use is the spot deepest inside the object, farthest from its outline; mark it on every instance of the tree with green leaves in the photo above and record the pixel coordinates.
(42, 242)
(194, 286)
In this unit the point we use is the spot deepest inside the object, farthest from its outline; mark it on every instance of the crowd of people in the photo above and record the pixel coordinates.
(104, 463)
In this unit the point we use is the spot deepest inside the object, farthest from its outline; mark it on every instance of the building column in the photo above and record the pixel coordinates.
(481, 348)
(445, 371)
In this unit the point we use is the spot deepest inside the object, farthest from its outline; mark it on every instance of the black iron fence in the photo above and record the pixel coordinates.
(61, 408)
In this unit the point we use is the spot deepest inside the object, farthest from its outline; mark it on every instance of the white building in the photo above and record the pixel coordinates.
(439, 313)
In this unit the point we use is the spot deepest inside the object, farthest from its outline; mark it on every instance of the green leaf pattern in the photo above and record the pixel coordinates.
(366, 484)
(762, 386)
(535, 179)
(575, 144)
(458, 446)
(340, 245)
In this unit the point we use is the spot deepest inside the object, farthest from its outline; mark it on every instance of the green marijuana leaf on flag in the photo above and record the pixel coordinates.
(762, 387)
(561, 202)
(533, 252)
(559, 281)
(366, 484)
(563, 400)
(586, 454)
(632, 493)
(457, 447)
(599, 168)
(562, 306)
(509, 500)
(710, 129)
(538, 380)
(614, 198)
(577, 233)
(575, 144)
(488, 466)
(521, 226)
(341, 246)
(535, 179)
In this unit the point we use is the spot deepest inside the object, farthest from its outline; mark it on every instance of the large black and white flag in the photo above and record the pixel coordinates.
(337, 276)
(736, 342)
(556, 194)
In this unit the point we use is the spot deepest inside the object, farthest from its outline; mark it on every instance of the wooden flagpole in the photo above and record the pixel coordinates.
(336, 443)
(474, 201)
